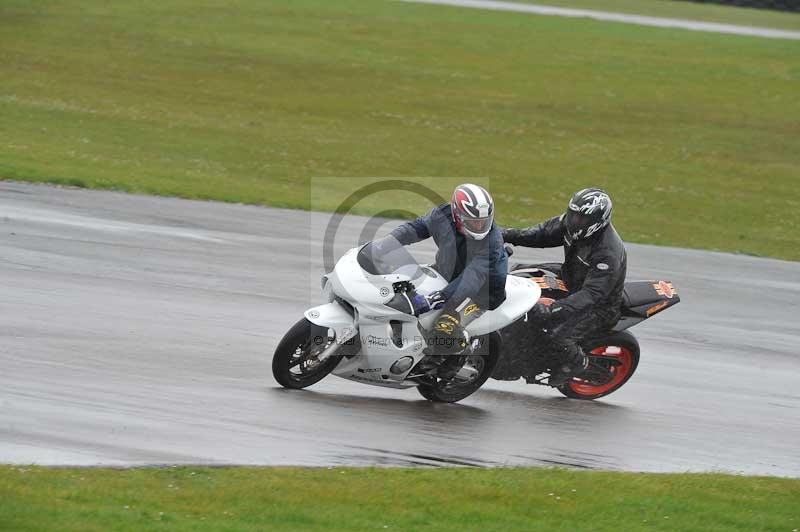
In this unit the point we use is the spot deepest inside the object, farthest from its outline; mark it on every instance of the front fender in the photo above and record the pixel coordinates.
(333, 316)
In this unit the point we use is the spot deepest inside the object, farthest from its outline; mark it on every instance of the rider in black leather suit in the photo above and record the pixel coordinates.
(594, 268)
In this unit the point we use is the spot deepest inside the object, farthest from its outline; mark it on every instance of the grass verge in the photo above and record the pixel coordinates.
(196, 498)
(694, 134)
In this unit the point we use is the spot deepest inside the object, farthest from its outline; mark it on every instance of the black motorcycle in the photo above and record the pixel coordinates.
(613, 355)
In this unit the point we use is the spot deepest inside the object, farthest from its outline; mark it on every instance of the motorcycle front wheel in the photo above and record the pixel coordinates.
(483, 361)
(295, 363)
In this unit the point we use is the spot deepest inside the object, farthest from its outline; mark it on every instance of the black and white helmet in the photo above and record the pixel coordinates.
(588, 212)
(473, 210)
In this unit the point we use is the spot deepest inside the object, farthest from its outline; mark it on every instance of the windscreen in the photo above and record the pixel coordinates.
(387, 256)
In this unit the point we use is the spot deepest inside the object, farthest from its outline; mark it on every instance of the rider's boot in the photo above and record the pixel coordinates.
(574, 364)
(450, 366)
(449, 341)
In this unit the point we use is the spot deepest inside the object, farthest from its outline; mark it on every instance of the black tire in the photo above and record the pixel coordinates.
(629, 361)
(297, 351)
(452, 391)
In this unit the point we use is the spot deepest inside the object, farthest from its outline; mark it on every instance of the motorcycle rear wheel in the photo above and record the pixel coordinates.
(295, 364)
(621, 348)
(452, 391)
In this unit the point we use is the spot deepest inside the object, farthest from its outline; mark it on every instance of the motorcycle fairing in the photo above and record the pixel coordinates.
(333, 316)
(644, 299)
(546, 280)
(359, 306)
(381, 347)
(521, 295)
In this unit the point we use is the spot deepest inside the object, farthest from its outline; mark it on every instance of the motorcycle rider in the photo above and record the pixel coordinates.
(470, 257)
(593, 271)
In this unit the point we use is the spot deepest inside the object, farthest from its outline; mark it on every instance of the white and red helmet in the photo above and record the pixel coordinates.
(473, 210)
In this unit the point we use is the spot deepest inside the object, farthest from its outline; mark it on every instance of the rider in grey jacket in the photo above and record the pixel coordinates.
(470, 257)
(475, 269)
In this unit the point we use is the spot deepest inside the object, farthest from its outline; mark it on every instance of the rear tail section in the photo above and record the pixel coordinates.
(644, 299)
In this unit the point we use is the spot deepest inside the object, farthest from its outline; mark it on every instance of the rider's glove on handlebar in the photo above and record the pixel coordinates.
(436, 300)
(420, 304)
(543, 312)
(423, 304)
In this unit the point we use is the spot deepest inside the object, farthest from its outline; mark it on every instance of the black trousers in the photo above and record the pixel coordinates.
(567, 333)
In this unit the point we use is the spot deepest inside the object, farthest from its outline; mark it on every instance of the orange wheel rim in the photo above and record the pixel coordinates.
(619, 372)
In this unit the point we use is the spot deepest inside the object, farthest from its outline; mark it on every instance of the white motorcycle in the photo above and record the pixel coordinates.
(367, 332)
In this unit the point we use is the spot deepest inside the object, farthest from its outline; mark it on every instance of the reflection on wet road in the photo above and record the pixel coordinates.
(139, 330)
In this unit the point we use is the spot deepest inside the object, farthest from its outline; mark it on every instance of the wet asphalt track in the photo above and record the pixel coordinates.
(138, 330)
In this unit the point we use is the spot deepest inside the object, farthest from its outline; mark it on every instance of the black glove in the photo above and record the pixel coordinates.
(509, 235)
(542, 313)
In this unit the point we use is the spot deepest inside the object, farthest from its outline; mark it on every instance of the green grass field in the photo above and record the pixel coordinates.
(695, 135)
(228, 499)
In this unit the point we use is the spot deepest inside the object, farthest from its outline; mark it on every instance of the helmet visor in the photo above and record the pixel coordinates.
(576, 221)
(477, 225)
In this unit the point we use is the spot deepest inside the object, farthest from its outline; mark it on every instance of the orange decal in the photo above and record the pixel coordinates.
(664, 288)
(549, 283)
(541, 282)
(655, 308)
